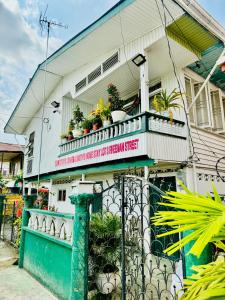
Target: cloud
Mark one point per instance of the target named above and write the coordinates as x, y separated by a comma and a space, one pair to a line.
22, 48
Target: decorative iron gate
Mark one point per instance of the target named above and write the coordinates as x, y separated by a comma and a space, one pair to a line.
8, 229
126, 260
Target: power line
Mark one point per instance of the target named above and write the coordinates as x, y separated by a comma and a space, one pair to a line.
194, 154
210, 149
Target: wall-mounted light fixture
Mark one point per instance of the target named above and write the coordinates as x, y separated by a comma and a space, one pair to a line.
55, 104
139, 59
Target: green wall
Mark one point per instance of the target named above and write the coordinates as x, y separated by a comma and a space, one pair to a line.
49, 261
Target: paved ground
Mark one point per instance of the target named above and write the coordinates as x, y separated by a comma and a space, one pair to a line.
15, 283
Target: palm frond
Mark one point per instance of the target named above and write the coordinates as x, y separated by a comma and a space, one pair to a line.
202, 215
207, 282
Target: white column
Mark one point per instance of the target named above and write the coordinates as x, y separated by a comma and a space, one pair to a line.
144, 79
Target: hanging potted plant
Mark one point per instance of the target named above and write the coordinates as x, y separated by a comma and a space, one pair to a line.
64, 138
104, 249
115, 104
78, 117
87, 126
166, 103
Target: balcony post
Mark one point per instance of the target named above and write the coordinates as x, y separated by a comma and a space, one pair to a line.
144, 80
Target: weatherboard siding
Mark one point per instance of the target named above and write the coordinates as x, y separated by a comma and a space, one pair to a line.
205, 143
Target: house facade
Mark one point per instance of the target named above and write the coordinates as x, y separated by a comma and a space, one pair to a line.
180, 47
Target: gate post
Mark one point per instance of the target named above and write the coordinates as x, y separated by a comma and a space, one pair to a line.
2, 197
28, 203
79, 259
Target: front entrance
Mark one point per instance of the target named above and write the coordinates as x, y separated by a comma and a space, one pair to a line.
126, 259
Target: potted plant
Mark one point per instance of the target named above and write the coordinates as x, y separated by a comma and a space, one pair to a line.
86, 125
115, 104
104, 249
64, 138
70, 136
105, 116
78, 117
166, 103
96, 122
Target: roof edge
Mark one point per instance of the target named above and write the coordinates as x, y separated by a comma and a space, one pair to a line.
101, 20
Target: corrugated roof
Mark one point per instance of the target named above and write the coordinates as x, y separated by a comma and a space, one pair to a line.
191, 34
205, 65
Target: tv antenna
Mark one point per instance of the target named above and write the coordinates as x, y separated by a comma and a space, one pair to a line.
45, 24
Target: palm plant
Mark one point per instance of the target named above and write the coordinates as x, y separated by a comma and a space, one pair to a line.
105, 229
204, 216
164, 102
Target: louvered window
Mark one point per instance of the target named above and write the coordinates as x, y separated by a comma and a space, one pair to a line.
189, 98
93, 75
80, 85
110, 62
217, 111
202, 107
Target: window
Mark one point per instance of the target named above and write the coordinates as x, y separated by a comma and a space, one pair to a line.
31, 145
29, 166
189, 97
62, 195
217, 110
202, 107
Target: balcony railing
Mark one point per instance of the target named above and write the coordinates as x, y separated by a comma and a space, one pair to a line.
144, 122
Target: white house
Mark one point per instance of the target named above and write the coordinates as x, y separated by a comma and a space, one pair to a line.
180, 43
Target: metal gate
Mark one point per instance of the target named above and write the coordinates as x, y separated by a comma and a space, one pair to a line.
126, 259
8, 230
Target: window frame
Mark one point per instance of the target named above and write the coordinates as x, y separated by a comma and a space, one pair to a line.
63, 193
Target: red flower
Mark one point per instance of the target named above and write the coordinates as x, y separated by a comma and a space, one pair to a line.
19, 212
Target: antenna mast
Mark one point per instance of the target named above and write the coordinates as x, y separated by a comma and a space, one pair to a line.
45, 24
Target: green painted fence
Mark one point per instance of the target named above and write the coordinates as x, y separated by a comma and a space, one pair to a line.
49, 261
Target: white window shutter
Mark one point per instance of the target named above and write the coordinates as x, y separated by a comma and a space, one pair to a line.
217, 111
202, 107
189, 98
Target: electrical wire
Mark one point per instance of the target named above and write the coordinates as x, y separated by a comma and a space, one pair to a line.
215, 155
194, 154
125, 54
207, 146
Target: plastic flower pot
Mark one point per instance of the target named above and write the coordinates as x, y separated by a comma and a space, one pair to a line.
118, 115
86, 130
96, 126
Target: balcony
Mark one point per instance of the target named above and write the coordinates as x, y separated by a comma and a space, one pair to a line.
146, 134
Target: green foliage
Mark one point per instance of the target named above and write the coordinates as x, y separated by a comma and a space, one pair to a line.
204, 217
2, 182
201, 214
115, 103
163, 102
97, 120
78, 116
105, 232
18, 224
207, 283
64, 136
86, 124
71, 125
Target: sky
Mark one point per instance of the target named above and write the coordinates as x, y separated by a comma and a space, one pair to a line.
22, 44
